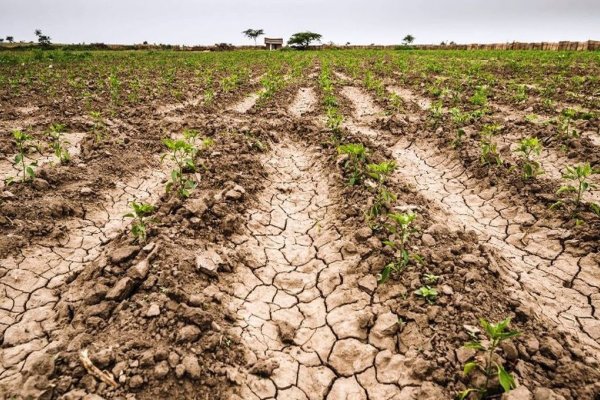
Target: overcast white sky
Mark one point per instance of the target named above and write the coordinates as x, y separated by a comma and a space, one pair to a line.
340, 21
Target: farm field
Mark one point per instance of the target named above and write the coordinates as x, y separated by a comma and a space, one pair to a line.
350, 224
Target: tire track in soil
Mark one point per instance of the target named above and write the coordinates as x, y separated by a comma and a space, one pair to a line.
551, 161
245, 105
560, 277
301, 313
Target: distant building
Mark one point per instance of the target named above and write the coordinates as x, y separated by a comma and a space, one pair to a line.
273, 44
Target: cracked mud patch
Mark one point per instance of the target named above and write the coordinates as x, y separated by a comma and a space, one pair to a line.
304, 102
311, 332
29, 282
246, 104
564, 282
561, 280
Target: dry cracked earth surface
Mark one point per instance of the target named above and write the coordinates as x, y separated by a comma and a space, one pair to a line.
263, 293
552, 268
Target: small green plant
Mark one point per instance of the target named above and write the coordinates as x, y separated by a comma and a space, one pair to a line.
58, 144
384, 197
520, 93
357, 155
428, 293
459, 135
182, 153
334, 119
98, 126
400, 227
489, 149
430, 279
396, 103
579, 176
496, 334
528, 148
595, 207
436, 113
479, 98
564, 124
139, 226
24, 142
209, 96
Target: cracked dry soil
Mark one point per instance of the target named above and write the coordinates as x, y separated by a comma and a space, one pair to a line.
302, 315
297, 317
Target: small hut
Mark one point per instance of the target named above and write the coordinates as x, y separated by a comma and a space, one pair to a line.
273, 44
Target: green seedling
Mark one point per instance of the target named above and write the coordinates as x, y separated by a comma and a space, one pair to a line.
182, 153
436, 113
496, 334
209, 96
396, 103
58, 144
458, 138
98, 126
139, 226
25, 144
334, 119
529, 148
479, 98
564, 122
430, 279
400, 228
595, 207
428, 293
578, 175
357, 155
489, 149
384, 197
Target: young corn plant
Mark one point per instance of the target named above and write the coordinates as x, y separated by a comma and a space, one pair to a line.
401, 229
496, 334
355, 164
489, 149
578, 176
139, 226
528, 149
24, 142
58, 144
384, 197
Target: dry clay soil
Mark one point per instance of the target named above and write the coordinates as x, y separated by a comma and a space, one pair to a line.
263, 284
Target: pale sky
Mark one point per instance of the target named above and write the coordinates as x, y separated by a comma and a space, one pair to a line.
356, 21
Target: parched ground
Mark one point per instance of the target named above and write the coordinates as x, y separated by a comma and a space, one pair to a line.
263, 284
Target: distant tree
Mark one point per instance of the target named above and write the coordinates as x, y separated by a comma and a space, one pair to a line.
253, 34
10, 39
43, 40
304, 39
408, 39
1, 40
347, 43
442, 43
145, 42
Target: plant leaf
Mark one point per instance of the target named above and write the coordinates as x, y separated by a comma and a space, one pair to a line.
506, 380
